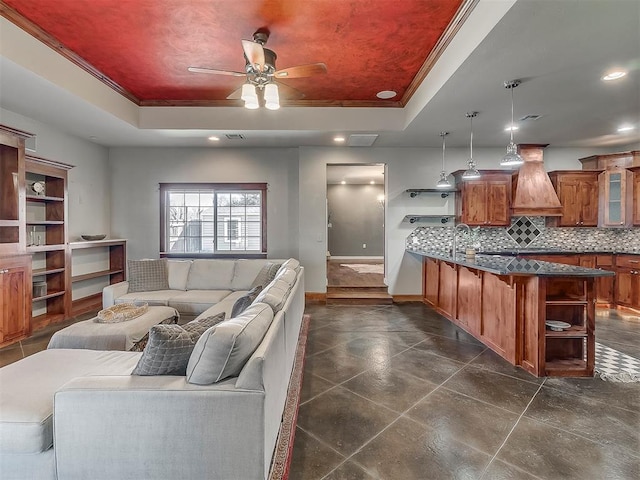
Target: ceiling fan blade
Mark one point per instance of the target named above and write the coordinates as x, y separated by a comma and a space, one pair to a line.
254, 53
235, 95
289, 93
302, 71
213, 71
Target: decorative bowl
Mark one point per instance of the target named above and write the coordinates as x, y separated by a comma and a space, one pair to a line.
94, 237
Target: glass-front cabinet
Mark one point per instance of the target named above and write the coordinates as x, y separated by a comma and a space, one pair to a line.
616, 198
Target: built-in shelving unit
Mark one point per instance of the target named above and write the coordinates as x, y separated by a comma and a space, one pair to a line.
107, 266
46, 239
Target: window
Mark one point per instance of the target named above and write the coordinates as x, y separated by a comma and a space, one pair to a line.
211, 219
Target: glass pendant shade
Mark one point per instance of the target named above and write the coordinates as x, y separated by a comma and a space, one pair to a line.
471, 173
271, 97
444, 180
249, 96
512, 158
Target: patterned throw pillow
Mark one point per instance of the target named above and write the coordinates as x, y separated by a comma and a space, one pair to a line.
140, 344
244, 301
266, 274
169, 347
148, 275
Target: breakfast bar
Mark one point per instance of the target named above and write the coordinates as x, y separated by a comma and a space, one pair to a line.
538, 315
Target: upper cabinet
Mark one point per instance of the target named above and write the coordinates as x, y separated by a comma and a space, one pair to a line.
12, 239
578, 194
616, 198
485, 201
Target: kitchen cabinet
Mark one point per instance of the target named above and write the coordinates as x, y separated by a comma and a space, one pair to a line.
15, 298
485, 201
430, 282
616, 198
578, 194
627, 283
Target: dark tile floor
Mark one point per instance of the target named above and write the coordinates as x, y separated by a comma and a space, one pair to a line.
398, 392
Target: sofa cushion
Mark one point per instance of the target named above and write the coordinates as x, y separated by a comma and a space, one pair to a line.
147, 275
245, 273
26, 409
169, 347
266, 274
155, 298
222, 351
291, 263
244, 301
178, 273
211, 274
275, 294
287, 274
194, 302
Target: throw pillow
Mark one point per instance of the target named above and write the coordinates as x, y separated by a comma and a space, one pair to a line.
140, 344
244, 301
222, 351
266, 274
148, 275
169, 347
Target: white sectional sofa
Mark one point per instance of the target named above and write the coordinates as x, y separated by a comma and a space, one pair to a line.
195, 286
80, 414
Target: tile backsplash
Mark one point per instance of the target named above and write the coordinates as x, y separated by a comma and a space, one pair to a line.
529, 232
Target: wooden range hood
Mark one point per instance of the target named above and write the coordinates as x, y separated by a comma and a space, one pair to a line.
533, 192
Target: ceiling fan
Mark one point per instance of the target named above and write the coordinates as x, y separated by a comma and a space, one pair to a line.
261, 74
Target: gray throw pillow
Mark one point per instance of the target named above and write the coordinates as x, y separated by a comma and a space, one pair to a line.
244, 301
140, 344
222, 351
148, 275
266, 274
169, 347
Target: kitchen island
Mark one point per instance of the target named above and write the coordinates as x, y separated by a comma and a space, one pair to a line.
505, 302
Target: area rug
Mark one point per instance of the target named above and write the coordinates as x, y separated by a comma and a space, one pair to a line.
365, 267
614, 366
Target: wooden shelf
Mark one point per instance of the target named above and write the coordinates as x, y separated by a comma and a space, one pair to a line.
49, 295
45, 223
45, 248
89, 276
108, 242
569, 301
566, 367
576, 331
9, 223
47, 271
46, 319
43, 199
86, 304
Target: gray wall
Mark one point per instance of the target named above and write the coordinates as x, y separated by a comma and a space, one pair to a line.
356, 218
136, 173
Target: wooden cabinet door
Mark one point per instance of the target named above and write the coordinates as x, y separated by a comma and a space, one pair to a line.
498, 202
616, 198
578, 194
636, 198
15, 298
469, 299
447, 290
589, 201
474, 202
431, 281
624, 291
568, 190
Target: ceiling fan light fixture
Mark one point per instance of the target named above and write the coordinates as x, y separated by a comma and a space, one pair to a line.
512, 157
248, 92
271, 96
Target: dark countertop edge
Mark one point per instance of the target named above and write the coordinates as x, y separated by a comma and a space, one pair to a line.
461, 259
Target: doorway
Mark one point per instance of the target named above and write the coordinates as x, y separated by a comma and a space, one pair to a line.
356, 203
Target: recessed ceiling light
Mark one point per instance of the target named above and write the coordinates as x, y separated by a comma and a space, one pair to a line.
614, 75
343, 182
386, 94
338, 139
213, 138
372, 182
508, 128
625, 128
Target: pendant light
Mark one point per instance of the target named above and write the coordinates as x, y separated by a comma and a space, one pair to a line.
444, 178
472, 172
512, 157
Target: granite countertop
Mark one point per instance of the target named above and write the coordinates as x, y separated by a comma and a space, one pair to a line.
510, 265
551, 251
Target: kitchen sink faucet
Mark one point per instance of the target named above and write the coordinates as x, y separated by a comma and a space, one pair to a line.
455, 231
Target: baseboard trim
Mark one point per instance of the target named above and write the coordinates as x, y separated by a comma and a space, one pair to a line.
315, 297
406, 298
354, 258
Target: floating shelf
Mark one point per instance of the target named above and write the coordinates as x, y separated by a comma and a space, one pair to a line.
43, 199
416, 218
414, 192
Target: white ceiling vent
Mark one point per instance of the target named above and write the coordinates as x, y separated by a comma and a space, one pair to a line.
362, 139
526, 118
235, 136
